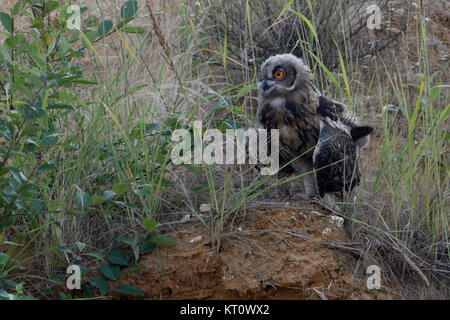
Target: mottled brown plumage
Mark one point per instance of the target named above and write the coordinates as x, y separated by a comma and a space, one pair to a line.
335, 155
289, 101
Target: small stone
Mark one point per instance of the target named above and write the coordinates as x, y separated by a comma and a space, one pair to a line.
205, 207
339, 221
316, 213
390, 108
196, 239
186, 218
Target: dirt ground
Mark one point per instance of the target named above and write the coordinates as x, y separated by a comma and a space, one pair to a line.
299, 253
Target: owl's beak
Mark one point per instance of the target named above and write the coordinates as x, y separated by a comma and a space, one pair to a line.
263, 85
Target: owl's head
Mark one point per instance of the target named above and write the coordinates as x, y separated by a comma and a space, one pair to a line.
282, 74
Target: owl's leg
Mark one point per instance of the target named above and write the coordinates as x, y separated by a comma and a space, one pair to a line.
303, 166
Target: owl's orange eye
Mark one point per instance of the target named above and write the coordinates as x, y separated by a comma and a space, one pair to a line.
278, 74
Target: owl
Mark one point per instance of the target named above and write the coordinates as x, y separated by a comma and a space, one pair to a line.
335, 160
288, 101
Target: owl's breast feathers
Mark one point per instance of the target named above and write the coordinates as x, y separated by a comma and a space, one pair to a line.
335, 162
298, 124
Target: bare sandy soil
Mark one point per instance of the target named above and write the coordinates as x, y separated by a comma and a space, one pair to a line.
273, 254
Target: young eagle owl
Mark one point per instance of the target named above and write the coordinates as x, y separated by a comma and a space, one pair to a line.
335, 155
288, 102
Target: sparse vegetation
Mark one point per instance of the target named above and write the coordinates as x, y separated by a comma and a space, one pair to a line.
86, 119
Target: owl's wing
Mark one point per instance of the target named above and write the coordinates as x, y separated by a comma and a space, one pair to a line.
336, 111
332, 109
340, 108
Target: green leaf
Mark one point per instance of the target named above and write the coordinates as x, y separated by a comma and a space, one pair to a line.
49, 6
39, 206
129, 9
135, 30
61, 106
85, 81
150, 224
95, 255
110, 271
17, 175
117, 257
173, 122
35, 53
96, 199
50, 165
126, 240
80, 246
123, 22
6, 21
66, 250
24, 298
129, 290
91, 35
163, 240
87, 291
120, 188
10, 283
22, 88
104, 27
16, 7
82, 199
101, 284
31, 145
148, 247
3, 258
6, 222
16, 42
143, 192
4, 295
108, 194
